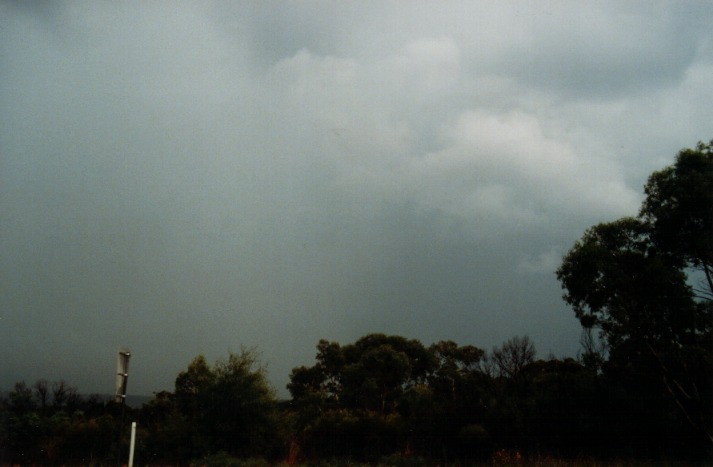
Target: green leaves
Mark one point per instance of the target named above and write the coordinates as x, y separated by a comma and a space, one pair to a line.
230, 406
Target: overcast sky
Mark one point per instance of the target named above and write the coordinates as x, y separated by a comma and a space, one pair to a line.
186, 178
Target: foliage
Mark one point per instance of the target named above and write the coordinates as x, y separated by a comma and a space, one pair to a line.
386, 385
679, 209
453, 414
226, 407
49, 422
630, 280
371, 374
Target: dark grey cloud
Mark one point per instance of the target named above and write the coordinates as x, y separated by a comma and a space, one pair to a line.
611, 49
189, 178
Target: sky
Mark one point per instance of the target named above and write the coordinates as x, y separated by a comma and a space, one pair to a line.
185, 178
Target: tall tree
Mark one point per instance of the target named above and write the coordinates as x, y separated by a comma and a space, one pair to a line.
371, 373
383, 394
454, 366
679, 209
630, 280
230, 404
42, 391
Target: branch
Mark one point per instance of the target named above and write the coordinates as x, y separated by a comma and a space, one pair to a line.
709, 278
696, 424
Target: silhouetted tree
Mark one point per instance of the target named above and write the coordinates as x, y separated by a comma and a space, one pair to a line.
385, 394
76, 431
629, 279
229, 406
513, 355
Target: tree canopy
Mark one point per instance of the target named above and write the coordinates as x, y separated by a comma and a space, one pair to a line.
679, 209
638, 281
230, 404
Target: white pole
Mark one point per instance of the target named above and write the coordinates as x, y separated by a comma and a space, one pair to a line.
133, 440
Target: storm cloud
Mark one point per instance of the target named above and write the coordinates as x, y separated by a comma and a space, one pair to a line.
186, 178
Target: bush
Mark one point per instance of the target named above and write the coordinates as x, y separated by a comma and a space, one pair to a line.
474, 442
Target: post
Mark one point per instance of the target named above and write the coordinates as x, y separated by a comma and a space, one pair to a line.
133, 442
122, 374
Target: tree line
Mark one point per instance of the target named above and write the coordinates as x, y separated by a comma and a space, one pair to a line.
640, 388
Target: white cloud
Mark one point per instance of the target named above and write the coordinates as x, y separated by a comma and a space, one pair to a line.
505, 169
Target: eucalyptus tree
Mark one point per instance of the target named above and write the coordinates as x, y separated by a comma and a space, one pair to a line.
646, 284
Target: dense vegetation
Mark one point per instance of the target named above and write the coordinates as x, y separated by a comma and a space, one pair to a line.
641, 388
